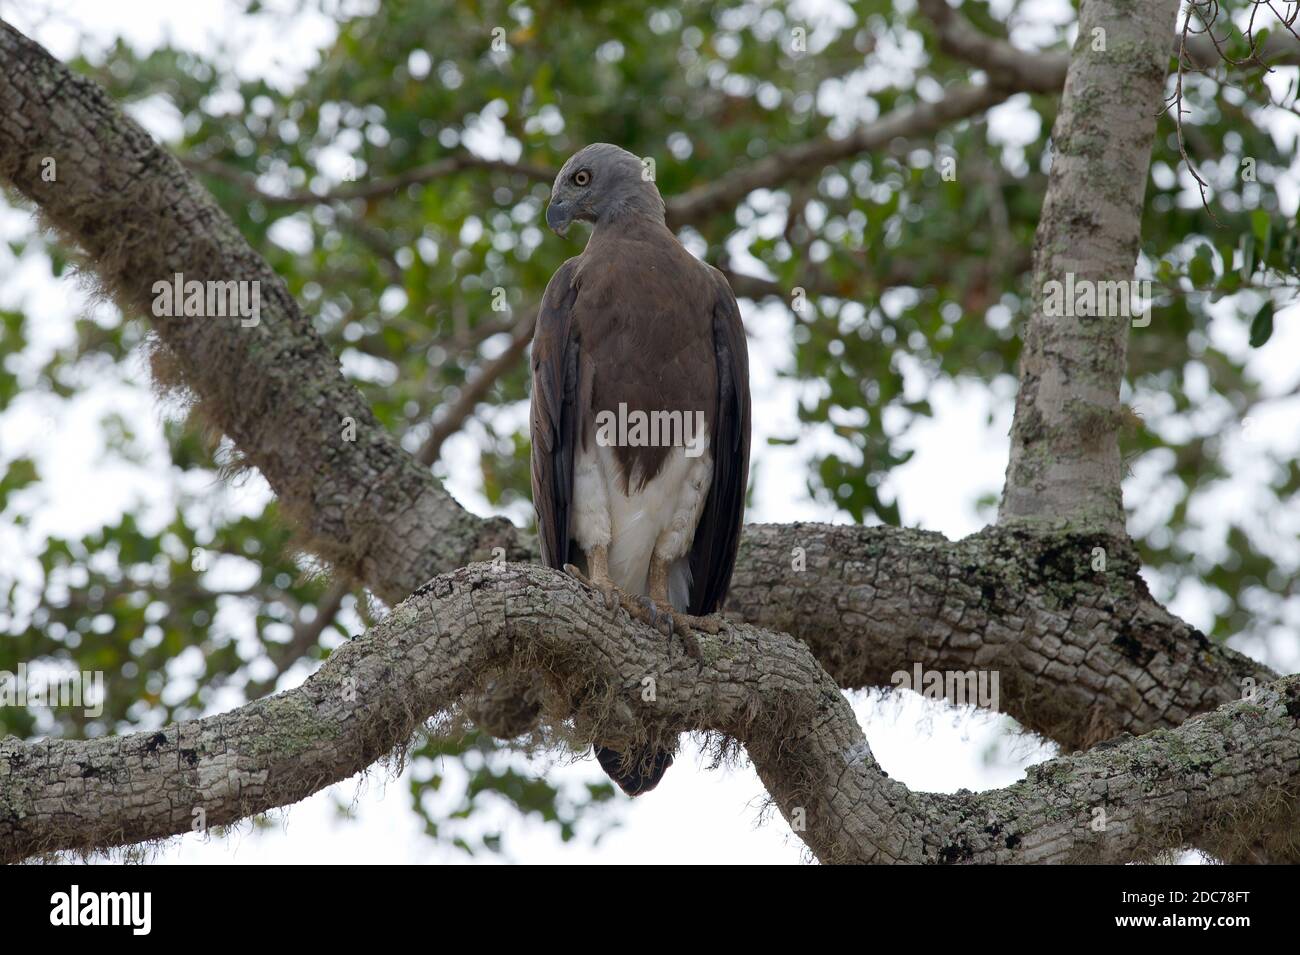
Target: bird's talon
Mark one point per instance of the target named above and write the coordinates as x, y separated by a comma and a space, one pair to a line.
648, 613
609, 593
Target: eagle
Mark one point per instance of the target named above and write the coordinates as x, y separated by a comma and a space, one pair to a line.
640, 415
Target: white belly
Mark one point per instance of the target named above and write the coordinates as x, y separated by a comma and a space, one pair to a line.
659, 518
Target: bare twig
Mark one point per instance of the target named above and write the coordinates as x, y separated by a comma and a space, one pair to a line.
375, 188
453, 418
805, 161
1006, 64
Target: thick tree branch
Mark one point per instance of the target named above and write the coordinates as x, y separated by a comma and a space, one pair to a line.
274, 388
1065, 460
1218, 782
1099, 643
1082, 654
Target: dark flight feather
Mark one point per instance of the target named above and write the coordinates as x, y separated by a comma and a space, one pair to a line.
554, 415
717, 537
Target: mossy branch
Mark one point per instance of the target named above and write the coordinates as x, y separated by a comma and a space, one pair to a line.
1223, 782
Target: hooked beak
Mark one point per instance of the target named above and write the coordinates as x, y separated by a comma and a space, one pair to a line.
559, 216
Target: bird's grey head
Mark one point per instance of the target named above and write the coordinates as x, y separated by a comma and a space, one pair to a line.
601, 183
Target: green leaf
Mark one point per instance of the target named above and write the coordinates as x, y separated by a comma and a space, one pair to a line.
1261, 329
1261, 225
1201, 269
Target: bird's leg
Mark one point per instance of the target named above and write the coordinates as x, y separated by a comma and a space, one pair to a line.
655, 611
598, 564
682, 623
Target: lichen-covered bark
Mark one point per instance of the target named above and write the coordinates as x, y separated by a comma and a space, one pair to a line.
1219, 781
1065, 460
274, 388
1082, 653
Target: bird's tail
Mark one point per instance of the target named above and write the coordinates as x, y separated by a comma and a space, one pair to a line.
638, 772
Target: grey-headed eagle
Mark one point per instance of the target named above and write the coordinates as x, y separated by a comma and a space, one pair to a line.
640, 414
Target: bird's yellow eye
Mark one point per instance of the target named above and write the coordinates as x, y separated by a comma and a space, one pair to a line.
581, 177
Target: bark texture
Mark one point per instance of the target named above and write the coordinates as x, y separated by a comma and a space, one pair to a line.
1082, 654
1065, 460
1221, 781
274, 388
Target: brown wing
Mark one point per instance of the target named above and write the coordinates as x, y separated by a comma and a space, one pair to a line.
717, 538
555, 414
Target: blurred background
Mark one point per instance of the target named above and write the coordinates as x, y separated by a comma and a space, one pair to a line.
887, 398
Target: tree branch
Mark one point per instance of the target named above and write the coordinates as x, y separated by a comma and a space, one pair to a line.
305, 636
452, 419
378, 188
1005, 63
1082, 654
876, 279
367, 505
1065, 461
805, 161
1044, 72
1217, 782
796, 163
274, 388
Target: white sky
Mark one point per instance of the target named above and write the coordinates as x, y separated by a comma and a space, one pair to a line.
695, 815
